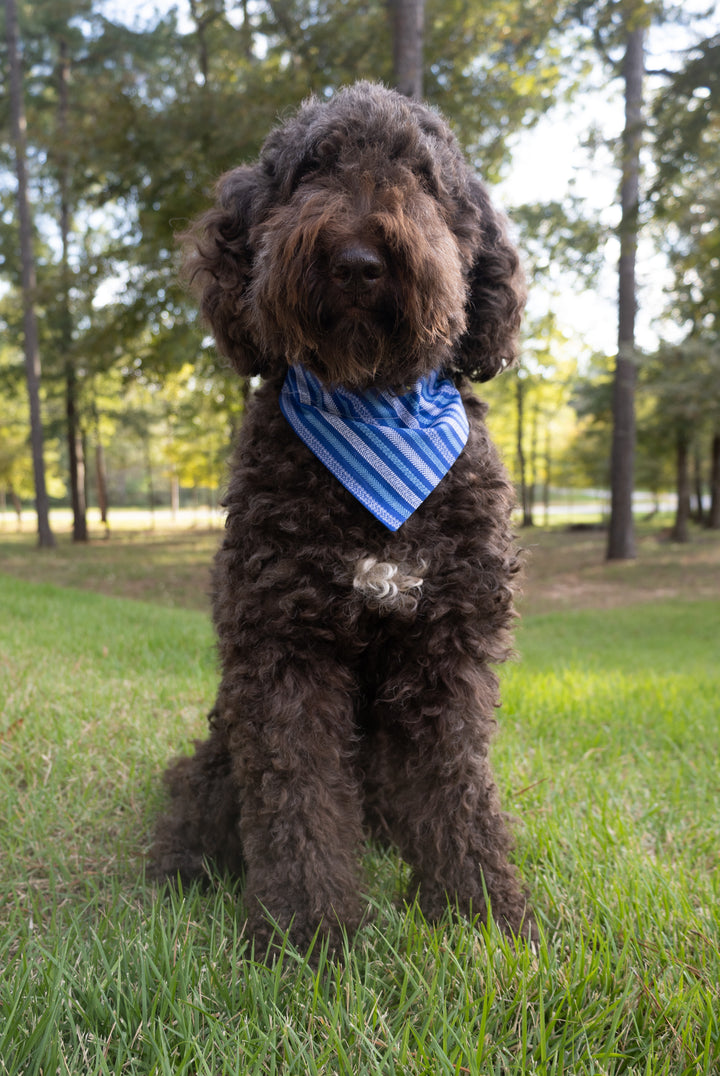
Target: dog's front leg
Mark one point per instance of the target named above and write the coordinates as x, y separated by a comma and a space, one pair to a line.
434, 790
300, 813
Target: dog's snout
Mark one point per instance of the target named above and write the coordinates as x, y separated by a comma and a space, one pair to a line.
357, 267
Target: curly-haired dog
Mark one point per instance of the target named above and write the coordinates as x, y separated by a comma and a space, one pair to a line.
364, 586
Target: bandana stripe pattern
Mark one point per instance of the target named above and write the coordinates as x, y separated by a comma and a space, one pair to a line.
389, 451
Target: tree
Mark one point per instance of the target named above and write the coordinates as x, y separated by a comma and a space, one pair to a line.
76, 455
684, 144
621, 532
684, 193
46, 538
16, 477
681, 382
547, 370
81, 65
171, 97
686, 206
407, 32
623, 24
714, 514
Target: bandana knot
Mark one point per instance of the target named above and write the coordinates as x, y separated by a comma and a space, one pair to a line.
390, 451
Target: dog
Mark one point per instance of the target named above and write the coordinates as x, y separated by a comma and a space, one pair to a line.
358, 273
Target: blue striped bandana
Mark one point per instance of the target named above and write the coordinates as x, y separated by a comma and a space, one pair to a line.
389, 451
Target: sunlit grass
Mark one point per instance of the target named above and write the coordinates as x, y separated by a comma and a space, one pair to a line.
606, 755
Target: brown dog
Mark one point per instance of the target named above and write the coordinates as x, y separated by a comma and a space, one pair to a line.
364, 586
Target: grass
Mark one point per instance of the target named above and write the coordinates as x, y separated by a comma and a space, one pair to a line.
606, 755
167, 567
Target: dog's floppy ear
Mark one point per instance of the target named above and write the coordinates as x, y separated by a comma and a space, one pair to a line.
496, 295
218, 264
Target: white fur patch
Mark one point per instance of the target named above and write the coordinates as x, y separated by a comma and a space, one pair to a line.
387, 586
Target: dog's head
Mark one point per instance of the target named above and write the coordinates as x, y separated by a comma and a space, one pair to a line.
362, 245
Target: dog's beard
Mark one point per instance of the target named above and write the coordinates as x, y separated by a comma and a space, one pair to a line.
362, 341
363, 349
355, 354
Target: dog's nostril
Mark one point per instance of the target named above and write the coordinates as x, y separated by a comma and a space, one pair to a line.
357, 266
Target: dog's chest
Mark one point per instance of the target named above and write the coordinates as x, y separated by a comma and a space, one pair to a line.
285, 507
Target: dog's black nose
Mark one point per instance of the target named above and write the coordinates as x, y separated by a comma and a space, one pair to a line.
357, 267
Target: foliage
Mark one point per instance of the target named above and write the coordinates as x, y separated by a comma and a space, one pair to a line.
560, 242
16, 468
686, 203
157, 111
530, 418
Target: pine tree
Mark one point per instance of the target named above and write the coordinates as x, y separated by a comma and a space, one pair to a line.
46, 538
621, 533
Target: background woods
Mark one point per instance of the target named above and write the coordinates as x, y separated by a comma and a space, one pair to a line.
130, 121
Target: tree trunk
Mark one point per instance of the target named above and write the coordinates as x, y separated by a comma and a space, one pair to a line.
680, 531
17, 505
699, 512
174, 495
407, 34
100, 469
527, 520
534, 455
101, 480
46, 539
548, 474
713, 521
200, 25
246, 32
150, 481
76, 459
621, 535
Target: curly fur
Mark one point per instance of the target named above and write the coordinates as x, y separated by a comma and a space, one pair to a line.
387, 586
357, 694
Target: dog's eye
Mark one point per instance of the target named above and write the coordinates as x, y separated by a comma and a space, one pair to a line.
428, 177
320, 155
306, 167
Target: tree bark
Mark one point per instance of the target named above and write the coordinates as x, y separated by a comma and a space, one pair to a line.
548, 475
100, 471
150, 480
76, 459
17, 505
407, 32
621, 535
527, 520
713, 521
101, 481
76, 456
46, 539
680, 531
534, 456
174, 495
699, 511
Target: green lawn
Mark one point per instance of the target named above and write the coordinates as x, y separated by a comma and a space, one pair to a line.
606, 754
